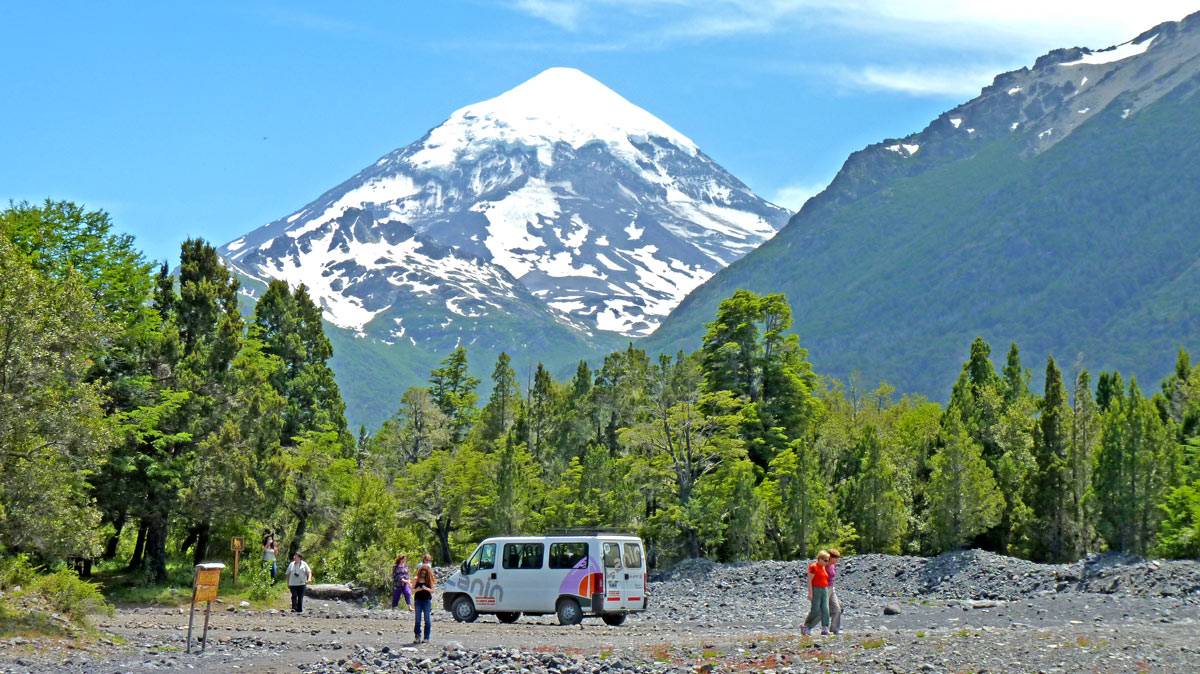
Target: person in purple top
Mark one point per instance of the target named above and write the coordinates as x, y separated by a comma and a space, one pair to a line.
835, 604
400, 587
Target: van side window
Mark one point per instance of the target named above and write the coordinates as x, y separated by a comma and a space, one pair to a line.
633, 556
484, 557
612, 556
523, 555
567, 555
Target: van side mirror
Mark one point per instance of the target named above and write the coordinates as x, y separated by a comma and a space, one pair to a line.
466, 568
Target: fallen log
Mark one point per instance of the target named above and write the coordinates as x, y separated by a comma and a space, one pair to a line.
334, 591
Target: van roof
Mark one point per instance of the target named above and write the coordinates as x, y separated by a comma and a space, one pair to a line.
538, 538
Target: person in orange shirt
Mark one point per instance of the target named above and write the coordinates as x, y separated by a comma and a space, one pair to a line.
818, 594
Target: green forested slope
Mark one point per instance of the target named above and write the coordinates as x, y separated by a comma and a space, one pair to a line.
1089, 251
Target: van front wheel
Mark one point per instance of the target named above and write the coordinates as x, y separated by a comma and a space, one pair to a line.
569, 612
508, 618
463, 610
614, 619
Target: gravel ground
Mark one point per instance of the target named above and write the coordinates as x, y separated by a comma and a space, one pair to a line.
967, 611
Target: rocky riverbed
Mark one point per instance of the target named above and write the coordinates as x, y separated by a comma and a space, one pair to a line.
966, 611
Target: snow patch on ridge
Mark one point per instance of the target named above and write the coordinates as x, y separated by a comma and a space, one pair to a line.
1114, 54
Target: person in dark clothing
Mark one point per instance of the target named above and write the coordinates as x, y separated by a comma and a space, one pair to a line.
424, 583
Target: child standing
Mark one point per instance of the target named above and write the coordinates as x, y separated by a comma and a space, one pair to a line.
818, 594
400, 586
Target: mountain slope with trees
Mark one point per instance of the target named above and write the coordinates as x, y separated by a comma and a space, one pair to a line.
1058, 210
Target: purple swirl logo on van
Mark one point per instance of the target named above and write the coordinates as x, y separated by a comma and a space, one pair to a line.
581, 580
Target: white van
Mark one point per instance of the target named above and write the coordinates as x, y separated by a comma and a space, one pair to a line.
572, 575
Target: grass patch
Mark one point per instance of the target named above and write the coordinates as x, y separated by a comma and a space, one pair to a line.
877, 642
920, 634
123, 588
661, 653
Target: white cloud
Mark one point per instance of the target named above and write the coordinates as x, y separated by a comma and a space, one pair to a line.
920, 80
793, 196
562, 13
1045, 23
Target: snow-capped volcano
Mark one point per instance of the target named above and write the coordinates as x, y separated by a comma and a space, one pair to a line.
557, 193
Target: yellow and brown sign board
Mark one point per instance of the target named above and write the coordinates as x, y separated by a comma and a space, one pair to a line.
238, 544
207, 580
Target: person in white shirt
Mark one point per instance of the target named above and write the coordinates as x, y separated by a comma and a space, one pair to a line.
298, 576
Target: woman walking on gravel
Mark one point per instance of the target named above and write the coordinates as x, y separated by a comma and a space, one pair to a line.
423, 586
299, 574
818, 595
400, 586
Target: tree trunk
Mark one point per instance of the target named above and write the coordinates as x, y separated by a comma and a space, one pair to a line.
203, 535
139, 547
298, 534
190, 539
443, 536
155, 559
110, 546
693, 543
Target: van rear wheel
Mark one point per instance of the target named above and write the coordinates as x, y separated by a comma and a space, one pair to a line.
508, 618
614, 619
463, 610
568, 612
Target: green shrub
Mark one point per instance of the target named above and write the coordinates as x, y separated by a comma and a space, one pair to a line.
259, 575
375, 569
16, 571
71, 596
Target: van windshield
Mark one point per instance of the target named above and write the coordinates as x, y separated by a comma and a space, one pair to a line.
484, 557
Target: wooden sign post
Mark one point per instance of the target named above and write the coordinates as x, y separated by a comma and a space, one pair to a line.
204, 588
237, 545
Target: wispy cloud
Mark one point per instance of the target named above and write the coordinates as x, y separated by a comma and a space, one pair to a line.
289, 16
793, 196
979, 33
919, 80
562, 13
920, 19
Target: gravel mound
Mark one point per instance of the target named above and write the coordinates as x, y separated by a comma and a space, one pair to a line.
964, 574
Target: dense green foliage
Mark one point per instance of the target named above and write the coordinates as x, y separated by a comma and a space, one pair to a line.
143, 418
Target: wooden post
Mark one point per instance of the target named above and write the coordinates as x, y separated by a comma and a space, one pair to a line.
237, 545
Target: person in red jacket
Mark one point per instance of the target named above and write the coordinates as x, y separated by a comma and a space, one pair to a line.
818, 594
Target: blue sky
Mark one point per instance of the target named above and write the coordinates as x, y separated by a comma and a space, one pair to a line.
212, 118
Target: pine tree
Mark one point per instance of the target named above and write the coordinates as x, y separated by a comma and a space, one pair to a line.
1052, 486
1016, 378
1085, 437
503, 405
541, 412
290, 326
453, 390
962, 495
1131, 478
876, 506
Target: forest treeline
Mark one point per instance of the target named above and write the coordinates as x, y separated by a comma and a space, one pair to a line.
145, 419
